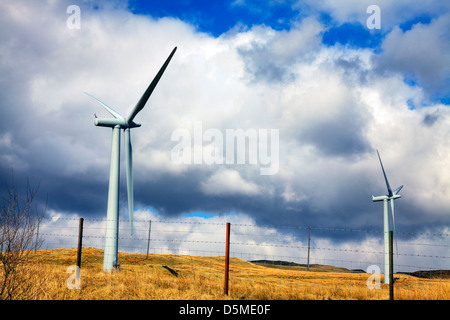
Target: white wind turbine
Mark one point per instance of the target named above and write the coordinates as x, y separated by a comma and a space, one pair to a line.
117, 123
391, 196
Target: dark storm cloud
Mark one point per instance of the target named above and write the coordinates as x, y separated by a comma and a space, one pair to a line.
69, 194
173, 195
264, 67
353, 69
341, 136
430, 118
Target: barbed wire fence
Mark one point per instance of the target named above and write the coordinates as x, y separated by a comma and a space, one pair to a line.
274, 248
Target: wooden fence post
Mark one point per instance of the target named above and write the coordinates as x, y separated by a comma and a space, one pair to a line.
227, 259
80, 241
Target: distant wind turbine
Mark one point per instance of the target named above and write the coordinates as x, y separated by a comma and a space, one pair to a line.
391, 196
119, 122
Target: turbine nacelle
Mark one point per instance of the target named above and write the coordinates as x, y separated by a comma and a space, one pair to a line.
112, 122
382, 198
379, 198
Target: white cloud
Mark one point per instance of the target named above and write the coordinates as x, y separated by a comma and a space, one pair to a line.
226, 182
292, 196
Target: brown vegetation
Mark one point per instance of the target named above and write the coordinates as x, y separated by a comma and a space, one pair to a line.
203, 278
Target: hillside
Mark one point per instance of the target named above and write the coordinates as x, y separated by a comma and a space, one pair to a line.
429, 274
425, 274
302, 267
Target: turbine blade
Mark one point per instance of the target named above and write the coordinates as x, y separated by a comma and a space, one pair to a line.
110, 110
141, 103
129, 171
397, 190
385, 178
393, 222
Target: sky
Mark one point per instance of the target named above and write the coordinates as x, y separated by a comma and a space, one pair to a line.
317, 73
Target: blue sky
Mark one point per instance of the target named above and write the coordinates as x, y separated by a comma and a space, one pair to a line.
217, 17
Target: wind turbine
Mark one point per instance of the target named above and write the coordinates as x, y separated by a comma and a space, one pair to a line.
117, 123
390, 197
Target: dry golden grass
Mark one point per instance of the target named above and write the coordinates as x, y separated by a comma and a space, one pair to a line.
203, 278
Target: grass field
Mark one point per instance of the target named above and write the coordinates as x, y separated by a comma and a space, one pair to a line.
203, 278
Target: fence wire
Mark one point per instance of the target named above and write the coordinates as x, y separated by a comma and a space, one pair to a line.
282, 254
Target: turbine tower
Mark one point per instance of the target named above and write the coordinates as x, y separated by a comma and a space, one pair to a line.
119, 122
390, 197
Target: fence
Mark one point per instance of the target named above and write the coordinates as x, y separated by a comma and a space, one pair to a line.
337, 268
